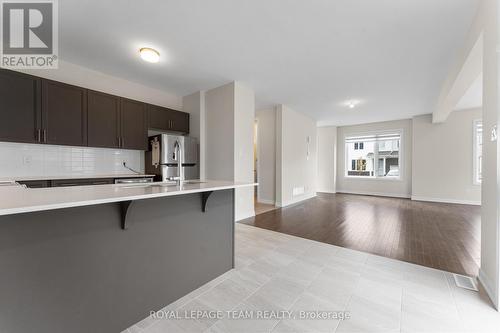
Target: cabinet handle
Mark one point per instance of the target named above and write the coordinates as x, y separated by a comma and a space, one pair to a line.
45, 135
38, 135
123, 142
119, 141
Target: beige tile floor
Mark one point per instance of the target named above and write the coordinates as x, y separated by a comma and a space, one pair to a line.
278, 272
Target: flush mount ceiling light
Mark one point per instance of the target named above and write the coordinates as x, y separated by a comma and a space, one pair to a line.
351, 104
149, 54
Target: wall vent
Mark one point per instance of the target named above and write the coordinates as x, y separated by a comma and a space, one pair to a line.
465, 282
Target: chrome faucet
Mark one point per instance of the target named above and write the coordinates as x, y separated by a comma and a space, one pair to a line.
178, 157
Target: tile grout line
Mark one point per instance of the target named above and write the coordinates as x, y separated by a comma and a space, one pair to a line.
215, 323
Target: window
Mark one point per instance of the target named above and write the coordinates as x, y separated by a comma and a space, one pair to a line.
478, 151
359, 145
374, 156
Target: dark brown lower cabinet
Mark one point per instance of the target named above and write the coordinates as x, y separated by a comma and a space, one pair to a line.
80, 182
35, 183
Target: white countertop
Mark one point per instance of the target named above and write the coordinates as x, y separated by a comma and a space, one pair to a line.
29, 178
15, 200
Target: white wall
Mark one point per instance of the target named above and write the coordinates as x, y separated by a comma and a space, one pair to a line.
266, 155
327, 159
230, 114
443, 159
489, 16
19, 160
294, 169
91, 79
384, 187
194, 104
219, 133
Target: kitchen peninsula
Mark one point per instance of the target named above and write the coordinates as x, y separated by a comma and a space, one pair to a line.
100, 258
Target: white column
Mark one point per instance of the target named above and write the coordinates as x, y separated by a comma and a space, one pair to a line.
229, 119
194, 104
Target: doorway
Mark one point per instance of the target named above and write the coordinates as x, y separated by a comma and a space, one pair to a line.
261, 145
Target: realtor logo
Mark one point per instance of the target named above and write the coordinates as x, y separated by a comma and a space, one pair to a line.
29, 34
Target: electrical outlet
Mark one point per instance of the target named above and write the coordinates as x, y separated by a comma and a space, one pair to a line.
27, 159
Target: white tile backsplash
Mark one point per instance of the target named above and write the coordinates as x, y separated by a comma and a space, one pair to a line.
32, 160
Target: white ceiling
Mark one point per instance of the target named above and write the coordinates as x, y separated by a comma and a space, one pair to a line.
392, 55
473, 97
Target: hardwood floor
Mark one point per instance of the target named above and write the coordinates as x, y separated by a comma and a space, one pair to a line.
443, 236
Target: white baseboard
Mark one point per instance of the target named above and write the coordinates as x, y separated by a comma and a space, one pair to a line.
377, 194
297, 200
452, 201
488, 287
266, 201
326, 191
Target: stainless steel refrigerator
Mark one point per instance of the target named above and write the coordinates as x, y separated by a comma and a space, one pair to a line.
163, 157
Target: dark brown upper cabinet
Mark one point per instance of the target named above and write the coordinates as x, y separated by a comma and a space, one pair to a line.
36, 110
180, 121
165, 119
158, 117
64, 114
19, 107
134, 127
103, 120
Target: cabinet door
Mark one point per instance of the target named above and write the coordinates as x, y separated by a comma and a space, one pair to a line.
81, 182
157, 117
134, 134
103, 120
36, 183
179, 121
107, 181
64, 114
19, 107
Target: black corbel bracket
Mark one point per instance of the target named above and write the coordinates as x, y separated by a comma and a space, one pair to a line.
125, 207
204, 198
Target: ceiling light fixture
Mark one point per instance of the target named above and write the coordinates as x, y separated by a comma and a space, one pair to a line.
351, 104
149, 54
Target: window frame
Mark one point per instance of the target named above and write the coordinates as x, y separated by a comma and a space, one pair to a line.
402, 147
475, 180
